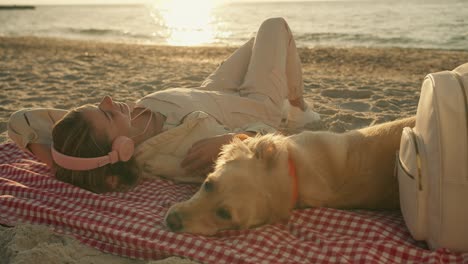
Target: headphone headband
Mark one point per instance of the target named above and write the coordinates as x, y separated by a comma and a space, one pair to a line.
122, 150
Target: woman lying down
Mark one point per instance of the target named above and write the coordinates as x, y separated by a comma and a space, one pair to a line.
175, 133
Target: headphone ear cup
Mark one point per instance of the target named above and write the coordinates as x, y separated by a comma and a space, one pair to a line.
124, 147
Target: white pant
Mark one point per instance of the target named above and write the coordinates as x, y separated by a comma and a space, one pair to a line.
267, 66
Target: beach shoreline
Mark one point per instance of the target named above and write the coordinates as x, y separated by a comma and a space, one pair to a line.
350, 87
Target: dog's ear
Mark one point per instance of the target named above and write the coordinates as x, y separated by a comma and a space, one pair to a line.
266, 151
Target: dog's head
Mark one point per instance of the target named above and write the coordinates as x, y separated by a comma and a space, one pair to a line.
246, 189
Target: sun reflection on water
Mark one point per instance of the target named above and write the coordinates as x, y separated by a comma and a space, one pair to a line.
187, 22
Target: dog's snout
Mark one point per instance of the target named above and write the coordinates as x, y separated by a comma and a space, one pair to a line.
174, 222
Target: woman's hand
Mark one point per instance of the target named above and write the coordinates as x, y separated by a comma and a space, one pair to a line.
203, 154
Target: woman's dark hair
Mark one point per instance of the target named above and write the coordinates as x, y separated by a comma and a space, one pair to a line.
73, 135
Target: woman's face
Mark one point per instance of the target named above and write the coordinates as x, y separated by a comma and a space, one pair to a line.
110, 119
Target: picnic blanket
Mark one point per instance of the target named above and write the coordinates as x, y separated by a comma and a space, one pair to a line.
131, 224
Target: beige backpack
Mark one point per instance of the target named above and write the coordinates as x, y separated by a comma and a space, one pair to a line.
433, 163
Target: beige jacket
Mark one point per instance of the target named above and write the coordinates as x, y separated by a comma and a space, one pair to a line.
162, 154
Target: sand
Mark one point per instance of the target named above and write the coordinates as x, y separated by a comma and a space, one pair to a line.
350, 87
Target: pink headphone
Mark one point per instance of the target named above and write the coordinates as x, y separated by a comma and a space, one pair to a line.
122, 150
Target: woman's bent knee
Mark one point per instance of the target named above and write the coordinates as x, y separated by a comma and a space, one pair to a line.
276, 25
274, 22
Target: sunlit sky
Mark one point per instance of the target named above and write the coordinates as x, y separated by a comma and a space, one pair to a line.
65, 2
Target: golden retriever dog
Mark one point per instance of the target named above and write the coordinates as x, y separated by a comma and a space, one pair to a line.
261, 179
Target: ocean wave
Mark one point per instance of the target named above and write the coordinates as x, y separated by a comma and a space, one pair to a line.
362, 39
93, 31
353, 38
101, 33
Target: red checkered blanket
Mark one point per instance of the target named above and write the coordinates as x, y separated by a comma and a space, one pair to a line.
131, 224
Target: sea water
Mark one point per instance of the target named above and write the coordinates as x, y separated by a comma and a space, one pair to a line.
434, 24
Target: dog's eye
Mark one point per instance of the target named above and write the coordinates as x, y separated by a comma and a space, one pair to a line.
208, 186
223, 213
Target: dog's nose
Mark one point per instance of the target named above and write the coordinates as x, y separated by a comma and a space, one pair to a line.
174, 221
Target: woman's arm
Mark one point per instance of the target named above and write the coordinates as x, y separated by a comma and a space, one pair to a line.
31, 130
42, 152
203, 154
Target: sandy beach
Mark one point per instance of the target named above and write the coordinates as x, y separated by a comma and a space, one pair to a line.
350, 88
